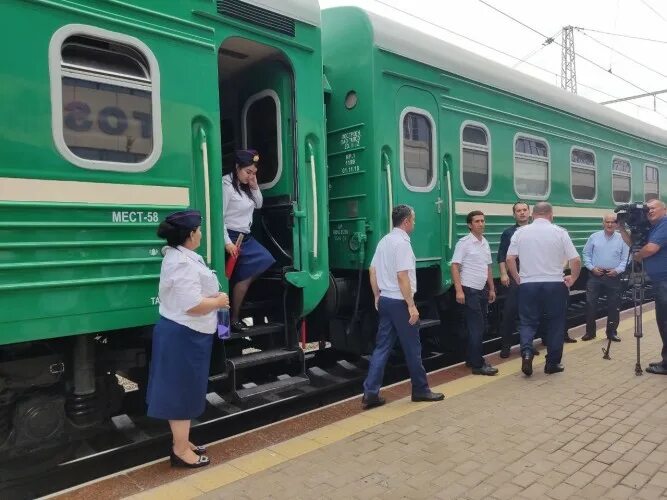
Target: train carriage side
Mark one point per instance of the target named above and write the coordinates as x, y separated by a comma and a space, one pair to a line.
456, 132
116, 115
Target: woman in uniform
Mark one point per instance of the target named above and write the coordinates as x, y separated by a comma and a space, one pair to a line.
183, 336
241, 196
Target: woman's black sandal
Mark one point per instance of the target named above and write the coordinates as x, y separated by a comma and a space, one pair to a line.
176, 461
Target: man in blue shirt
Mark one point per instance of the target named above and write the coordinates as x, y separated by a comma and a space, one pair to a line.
654, 255
605, 257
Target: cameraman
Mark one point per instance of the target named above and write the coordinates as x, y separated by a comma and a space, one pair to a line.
654, 255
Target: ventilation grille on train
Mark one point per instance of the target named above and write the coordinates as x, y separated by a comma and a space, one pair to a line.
257, 15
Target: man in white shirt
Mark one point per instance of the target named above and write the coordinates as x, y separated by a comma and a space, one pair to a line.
471, 272
543, 290
393, 279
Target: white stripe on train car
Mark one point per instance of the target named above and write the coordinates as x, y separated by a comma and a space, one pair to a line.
505, 209
52, 191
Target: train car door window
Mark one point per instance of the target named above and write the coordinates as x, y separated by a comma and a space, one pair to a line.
262, 131
417, 153
583, 175
621, 180
651, 183
531, 167
475, 165
105, 99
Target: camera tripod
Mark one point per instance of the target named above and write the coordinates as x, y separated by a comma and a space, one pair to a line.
636, 282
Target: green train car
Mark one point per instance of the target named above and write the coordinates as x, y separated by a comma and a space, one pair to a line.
413, 119
114, 114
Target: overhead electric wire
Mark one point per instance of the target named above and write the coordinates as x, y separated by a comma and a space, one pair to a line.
654, 11
590, 61
622, 54
545, 43
623, 35
508, 55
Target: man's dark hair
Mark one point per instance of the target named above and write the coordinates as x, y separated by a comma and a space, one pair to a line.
472, 215
519, 203
400, 213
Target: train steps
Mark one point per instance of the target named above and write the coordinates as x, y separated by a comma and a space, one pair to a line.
267, 371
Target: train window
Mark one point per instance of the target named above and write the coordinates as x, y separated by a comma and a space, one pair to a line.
583, 175
531, 167
417, 150
621, 180
262, 131
651, 183
475, 169
105, 100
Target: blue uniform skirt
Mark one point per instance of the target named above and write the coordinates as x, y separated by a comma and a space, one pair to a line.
178, 375
254, 259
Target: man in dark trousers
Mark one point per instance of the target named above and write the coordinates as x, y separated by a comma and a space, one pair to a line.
393, 279
473, 283
521, 213
605, 257
654, 255
543, 290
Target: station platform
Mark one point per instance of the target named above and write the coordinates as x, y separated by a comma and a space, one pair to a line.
595, 431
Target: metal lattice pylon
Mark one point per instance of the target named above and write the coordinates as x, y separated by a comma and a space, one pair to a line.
568, 69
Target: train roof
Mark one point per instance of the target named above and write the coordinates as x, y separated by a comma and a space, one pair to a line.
307, 11
409, 42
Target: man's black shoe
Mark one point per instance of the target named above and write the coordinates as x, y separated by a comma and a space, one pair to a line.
371, 401
614, 338
505, 352
485, 370
550, 368
570, 340
429, 396
657, 369
655, 363
588, 337
527, 363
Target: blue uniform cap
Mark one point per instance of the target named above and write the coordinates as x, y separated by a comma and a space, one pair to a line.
246, 157
188, 219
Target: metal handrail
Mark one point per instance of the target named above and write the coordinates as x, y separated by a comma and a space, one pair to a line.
207, 195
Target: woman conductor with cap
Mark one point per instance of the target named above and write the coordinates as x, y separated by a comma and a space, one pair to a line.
183, 336
241, 196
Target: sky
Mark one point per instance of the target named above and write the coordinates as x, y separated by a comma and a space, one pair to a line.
620, 67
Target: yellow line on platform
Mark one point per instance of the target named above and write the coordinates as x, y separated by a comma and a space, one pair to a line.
220, 475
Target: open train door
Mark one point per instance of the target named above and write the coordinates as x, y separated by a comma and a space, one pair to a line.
267, 125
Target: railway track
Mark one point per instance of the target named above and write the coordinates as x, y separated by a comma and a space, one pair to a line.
128, 441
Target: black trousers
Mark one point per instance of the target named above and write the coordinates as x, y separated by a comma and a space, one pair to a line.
594, 288
510, 312
660, 291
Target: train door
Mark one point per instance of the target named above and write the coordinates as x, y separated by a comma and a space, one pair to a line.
256, 112
416, 171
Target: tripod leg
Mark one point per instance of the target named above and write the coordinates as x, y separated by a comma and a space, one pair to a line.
607, 350
638, 298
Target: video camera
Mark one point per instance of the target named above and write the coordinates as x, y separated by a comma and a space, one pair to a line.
635, 216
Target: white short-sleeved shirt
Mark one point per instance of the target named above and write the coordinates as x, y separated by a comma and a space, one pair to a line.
543, 248
237, 208
185, 280
392, 255
474, 256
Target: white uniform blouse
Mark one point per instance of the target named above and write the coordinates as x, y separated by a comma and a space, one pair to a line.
237, 208
185, 280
